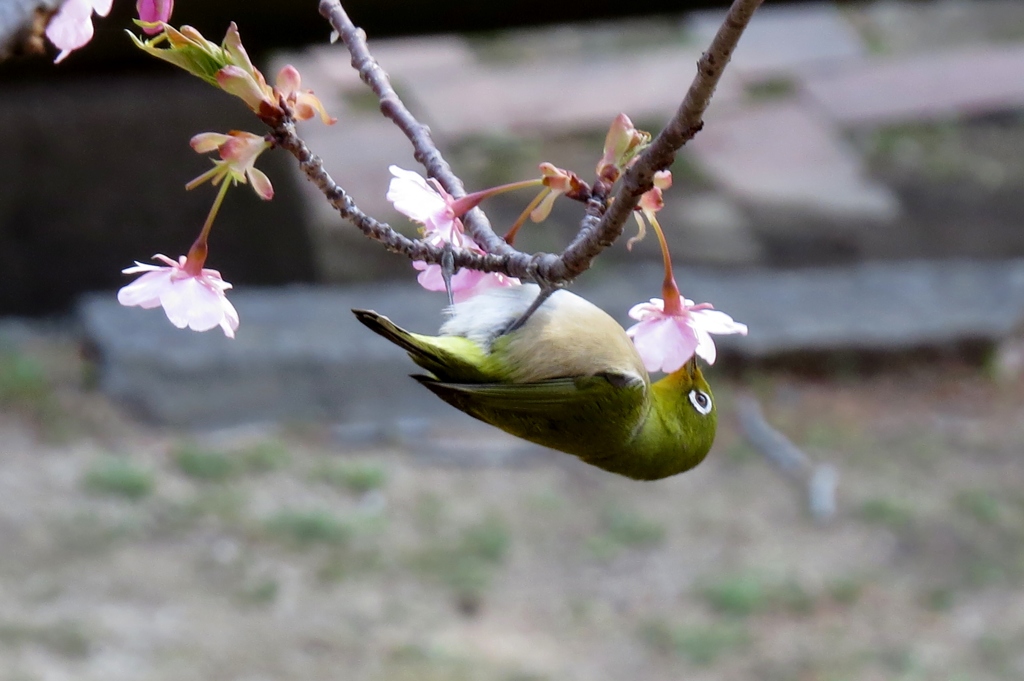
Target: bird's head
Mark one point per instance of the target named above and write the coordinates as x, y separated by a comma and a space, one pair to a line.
687, 408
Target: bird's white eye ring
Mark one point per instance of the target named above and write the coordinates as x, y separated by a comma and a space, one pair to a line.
701, 401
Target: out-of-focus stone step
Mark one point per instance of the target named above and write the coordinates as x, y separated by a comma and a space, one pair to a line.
300, 354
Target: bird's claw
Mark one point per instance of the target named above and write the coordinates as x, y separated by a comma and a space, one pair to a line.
546, 289
448, 270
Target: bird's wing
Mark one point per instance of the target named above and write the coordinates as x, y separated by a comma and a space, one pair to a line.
589, 416
548, 402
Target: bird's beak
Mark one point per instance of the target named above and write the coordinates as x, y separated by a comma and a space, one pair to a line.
691, 366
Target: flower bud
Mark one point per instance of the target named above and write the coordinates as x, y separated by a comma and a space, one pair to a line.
621, 145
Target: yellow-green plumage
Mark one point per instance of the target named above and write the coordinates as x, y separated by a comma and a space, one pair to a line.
569, 379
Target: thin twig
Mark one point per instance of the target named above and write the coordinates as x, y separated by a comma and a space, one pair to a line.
818, 480
391, 105
312, 166
604, 220
687, 122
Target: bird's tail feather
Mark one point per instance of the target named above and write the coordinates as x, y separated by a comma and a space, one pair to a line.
448, 358
383, 326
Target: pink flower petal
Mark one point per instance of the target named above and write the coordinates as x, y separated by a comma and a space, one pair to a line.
489, 280
430, 278
667, 341
414, 198
705, 346
260, 183
663, 344
140, 267
242, 148
71, 27
188, 302
229, 324
145, 291
680, 349
213, 279
152, 11
642, 311
714, 321
206, 142
179, 263
288, 80
197, 302
240, 83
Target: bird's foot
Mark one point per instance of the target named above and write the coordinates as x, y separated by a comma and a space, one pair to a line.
448, 270
546, 289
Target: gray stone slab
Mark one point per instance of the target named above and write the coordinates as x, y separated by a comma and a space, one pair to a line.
785, 154
782, 40
909, 26
714, 228
967, 82
573, 96
328, 68
871, 306
300, 354
459, 95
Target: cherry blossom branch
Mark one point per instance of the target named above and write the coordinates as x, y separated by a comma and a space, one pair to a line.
604, 220
687, 122
391, 105
515, 264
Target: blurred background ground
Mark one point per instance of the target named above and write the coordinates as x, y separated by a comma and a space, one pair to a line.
330, 543
288, 552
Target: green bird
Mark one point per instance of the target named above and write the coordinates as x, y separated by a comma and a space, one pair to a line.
569, 379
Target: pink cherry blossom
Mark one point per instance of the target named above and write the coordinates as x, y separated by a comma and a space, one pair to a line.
434, 208
667, 340
621, 145
427, 202
193, 300
238, 152
71, 27
466, 283
303, 102
153, 11
431, 206
556, 182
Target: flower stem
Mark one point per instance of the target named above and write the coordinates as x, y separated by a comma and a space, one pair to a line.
510, 235
669, 288
212, 172
470, 201
197, 254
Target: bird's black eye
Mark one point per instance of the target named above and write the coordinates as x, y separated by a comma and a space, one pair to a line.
701, 401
